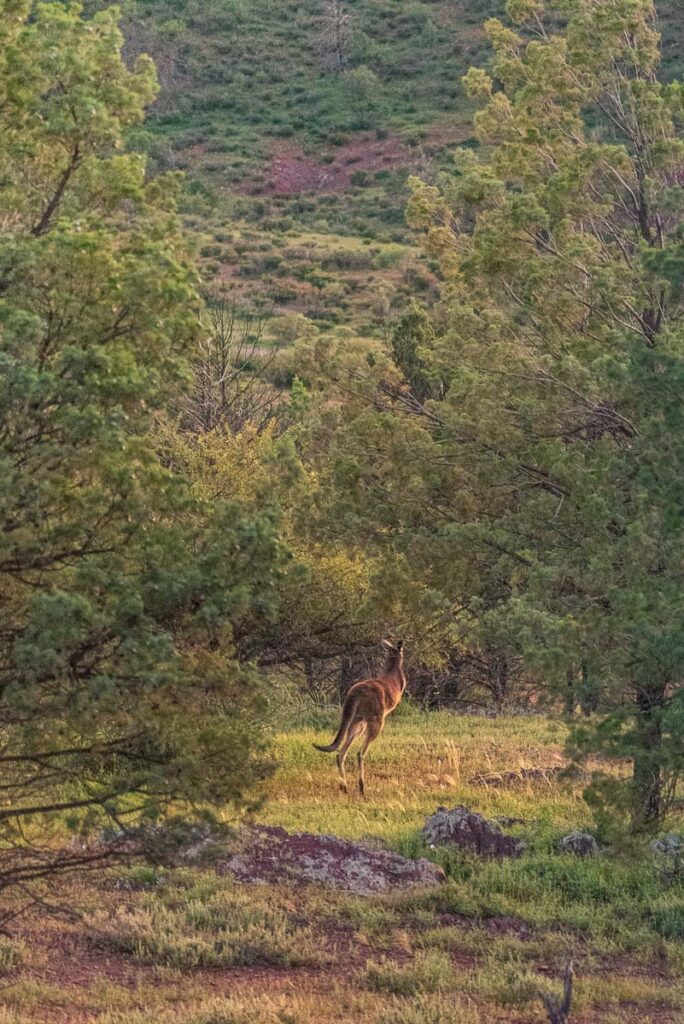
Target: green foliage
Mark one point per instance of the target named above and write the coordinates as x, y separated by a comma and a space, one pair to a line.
524, 451
120, 584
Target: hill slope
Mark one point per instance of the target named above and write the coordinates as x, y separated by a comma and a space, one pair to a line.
297, 123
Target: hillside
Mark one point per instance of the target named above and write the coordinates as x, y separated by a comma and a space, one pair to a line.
297, 123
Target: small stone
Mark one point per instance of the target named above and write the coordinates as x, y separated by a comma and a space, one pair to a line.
671, 845
469, 831
582, 844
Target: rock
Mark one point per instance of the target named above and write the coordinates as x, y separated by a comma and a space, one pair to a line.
582, 844
469, 831
171, 844
670, 861
269, 854
670, 845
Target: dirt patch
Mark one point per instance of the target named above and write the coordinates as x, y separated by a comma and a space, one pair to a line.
270, 855
292, 172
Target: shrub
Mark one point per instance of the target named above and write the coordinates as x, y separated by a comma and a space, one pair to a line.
510, 982
668, 919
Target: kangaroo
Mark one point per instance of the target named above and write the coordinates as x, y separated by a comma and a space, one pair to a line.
366, 706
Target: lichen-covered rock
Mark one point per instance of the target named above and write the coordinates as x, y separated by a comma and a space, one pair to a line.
582, 844
670, 859
670, 845
469, 831
270, 854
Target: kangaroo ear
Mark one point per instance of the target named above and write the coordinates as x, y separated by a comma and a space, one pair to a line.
387, 645
400, 644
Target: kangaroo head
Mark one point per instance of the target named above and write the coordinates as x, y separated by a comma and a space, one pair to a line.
394, 653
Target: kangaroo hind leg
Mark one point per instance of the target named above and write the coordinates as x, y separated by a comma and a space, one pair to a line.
372, 732
355, 729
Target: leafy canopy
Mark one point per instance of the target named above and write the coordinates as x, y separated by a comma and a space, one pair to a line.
120, 690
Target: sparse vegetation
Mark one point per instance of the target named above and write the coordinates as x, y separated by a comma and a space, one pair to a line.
11, 953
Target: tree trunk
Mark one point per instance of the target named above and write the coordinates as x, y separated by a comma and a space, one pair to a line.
570, 694
310, 677
647, 778
589, 692
499, 678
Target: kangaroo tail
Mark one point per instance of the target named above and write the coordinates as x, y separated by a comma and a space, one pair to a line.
348, 712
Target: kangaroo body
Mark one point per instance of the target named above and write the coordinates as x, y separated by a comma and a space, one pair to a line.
366, 706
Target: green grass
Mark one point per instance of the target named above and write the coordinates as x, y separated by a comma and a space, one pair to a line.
197, 922
420, 761
480, 948
429, 972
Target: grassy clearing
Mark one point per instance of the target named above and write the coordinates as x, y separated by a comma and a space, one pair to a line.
193, 923
423, 760
187, 946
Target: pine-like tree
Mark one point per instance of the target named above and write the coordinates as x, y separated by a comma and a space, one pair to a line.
119, 584
563, 251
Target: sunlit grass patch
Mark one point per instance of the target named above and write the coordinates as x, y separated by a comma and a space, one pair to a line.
11, 1016
372, 919
620, 990
509, 981
211, 929
227, 1010
434, 1009
421, 761
430, 971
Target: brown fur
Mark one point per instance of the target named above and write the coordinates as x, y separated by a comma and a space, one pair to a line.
366, 706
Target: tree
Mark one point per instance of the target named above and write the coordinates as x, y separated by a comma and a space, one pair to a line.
120, 689
230, 389
562, 250
336, 35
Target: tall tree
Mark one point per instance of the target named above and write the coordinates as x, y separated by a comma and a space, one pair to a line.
120, 691
563, 252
